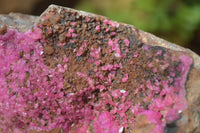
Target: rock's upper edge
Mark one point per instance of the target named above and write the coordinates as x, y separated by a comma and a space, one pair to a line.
23, 22
146, 37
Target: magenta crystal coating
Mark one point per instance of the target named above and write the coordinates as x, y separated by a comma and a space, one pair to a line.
32, 94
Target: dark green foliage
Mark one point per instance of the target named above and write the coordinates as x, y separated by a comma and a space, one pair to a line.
174, 20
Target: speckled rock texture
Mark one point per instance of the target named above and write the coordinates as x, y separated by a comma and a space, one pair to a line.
70, 71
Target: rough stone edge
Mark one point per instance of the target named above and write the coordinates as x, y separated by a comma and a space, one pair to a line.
147, 37
21, 22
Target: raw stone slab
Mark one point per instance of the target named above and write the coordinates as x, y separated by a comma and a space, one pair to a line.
142, 56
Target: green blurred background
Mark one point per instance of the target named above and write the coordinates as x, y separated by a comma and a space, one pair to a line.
177, 21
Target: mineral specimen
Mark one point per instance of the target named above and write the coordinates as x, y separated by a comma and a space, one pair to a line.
83, 73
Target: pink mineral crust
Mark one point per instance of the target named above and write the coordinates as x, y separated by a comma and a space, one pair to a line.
154, 117
89, 76
106, 123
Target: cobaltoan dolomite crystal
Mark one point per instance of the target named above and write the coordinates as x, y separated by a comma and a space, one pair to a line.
79, 72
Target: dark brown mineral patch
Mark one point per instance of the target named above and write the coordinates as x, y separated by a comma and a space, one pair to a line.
3, 30
49, 49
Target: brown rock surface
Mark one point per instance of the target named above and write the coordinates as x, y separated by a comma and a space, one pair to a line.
18, 21
190, 118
